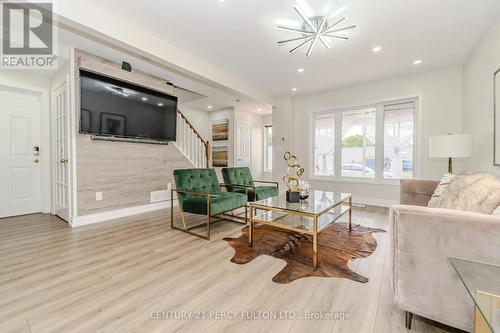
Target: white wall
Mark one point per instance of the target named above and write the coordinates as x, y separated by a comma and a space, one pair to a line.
478, 99
267, 119
39, 84
200, 120
440, 112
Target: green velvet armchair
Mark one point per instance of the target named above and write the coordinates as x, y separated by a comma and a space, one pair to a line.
240, 180
199, 192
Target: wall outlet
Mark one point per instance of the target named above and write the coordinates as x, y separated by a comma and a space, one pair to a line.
98, 196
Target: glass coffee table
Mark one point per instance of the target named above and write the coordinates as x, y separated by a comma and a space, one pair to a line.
308, 217
482, 282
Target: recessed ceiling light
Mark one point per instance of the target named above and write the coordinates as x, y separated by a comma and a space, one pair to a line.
144, 99
300, 70
294, 89
417, 62
160, 104
377, 49
259, 109
210, 106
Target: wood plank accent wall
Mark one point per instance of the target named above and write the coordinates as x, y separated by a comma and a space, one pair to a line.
125, 173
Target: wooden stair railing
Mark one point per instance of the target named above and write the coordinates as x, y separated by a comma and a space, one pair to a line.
191, 143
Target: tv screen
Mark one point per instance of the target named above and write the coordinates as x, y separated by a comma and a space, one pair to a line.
111, 107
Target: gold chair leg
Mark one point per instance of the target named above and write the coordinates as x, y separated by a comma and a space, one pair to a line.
171, 208
182, 219
208, 218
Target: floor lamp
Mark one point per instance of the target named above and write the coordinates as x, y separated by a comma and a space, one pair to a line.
450, 146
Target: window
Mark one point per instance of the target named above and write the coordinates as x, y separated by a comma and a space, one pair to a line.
358, 143
268, 148
398, 140
324, 144
374, 142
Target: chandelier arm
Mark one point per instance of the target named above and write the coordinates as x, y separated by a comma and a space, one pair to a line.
338, 30
318, 34
299, 31
339, 37
291, 40
298, 47
330, 28
305, 18
324, 41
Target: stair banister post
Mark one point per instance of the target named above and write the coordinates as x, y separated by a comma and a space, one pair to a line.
207, 153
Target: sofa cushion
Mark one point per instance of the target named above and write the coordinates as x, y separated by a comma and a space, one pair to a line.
219, 203
263, 192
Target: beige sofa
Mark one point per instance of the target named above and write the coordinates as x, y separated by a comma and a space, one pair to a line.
422, 239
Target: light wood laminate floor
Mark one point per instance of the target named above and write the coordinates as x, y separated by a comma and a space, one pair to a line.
117, 276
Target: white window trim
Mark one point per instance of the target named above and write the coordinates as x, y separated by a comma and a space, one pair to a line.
266, 157
379, 142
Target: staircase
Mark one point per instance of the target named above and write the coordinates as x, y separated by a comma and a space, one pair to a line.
190, 143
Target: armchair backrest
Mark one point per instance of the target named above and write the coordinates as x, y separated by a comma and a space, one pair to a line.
237, 176
196, 180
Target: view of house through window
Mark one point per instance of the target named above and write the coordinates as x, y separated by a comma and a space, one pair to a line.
324, 144
358, 143
268, 148
361, 139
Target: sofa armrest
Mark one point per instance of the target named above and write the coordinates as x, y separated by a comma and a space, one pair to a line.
416, 192
422, 240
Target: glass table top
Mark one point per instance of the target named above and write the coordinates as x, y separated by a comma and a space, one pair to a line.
482, 282
317, 203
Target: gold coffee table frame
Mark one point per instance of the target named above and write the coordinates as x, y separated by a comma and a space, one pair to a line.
328, 215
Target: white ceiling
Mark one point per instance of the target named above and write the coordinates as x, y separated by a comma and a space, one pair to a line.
239, 36
193, 93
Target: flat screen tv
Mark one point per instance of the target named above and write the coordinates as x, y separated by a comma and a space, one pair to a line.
111, 107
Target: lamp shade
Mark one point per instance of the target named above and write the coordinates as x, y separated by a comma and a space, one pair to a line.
453, 145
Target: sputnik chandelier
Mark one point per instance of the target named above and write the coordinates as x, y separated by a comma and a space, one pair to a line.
313, 29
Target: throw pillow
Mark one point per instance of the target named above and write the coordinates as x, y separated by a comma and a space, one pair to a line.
474, 192
436, 198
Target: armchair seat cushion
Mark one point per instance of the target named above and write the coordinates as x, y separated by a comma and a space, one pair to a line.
263, 192
219, 203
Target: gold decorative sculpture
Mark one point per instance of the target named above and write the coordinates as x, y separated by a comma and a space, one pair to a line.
293, 172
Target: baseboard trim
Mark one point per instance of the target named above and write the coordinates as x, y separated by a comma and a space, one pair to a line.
374, 201
79, 221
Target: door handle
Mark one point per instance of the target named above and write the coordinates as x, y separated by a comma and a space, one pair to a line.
36, 160
63, 161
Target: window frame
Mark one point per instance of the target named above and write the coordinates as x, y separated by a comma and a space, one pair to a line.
379, 142
267, 158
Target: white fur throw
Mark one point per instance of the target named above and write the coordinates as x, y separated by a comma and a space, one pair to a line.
475, 192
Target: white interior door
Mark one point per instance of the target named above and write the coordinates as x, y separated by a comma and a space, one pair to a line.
61, 149
243, 144
20, 153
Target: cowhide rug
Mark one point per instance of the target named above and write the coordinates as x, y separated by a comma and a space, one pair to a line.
336, 246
